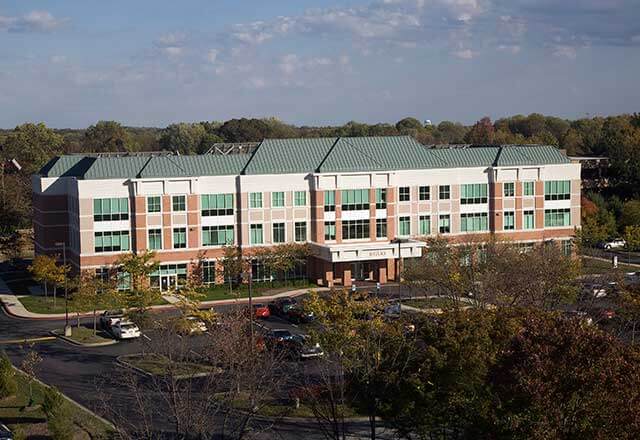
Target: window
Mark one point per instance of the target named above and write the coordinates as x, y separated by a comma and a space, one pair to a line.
557, 217
217, 235
329, 201
381, 228
567, 247
557, 190
424, 193
155, 239
154, 204
473, 193
179, 270
208, 272
111, 241
102, 274
424, 223
381, 198
179, 238
509, 189
528, 188
256, 234
529, 221
300, 231
355, 229
123, 280
105, 210
329, 231
216, 204
277, 199
404, 194
509, 222
444, 192
300, 198
278, 233
255, 200
355, 199
444, 224
474, 222
178, 203
404, 226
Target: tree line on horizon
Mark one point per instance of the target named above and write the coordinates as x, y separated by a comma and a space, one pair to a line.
33, 144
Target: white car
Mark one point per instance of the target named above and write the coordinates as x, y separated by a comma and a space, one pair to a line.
614, 244
196, 325
125, 330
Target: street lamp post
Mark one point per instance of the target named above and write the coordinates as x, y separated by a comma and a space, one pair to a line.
67, 327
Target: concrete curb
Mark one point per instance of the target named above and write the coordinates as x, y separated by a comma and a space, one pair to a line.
205, 304
71, 341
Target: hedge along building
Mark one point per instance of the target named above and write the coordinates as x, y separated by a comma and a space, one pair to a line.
361, 203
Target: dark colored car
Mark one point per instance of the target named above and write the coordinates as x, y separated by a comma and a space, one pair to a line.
298, 315
5, 433
281, 306
110, 317
292, 346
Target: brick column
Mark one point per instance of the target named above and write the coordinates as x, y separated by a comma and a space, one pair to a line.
317, 216
139, 217
539, 210
495, 207
518, 207
372, 214
193, 220
391, 213
338, 217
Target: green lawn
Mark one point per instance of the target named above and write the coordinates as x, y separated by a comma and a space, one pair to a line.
430, 303
42, 304
84, 335
591, 266
160, 365
33, 422
221, 291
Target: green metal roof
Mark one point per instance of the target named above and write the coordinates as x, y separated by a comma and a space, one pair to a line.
300, 156
288, 156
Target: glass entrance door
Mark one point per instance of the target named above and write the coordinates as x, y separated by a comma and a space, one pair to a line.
360, 271
168, 282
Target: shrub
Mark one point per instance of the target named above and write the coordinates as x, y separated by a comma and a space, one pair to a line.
59, 420
7, 377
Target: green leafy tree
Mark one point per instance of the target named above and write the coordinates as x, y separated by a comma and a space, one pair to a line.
29, 366
183, 137
107, 136
408, 124
41, 269
59, 415
449, 132
232, 265
92, 293
8, 385
630, 215
632, 237
32, 145
138, 268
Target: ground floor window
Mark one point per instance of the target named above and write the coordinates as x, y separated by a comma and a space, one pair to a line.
355, 229
256, 234
169, 276
208, 271
567, 247
260, 273
529, 220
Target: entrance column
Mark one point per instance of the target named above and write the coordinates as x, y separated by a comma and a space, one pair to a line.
391, 269
382, 272
346, 277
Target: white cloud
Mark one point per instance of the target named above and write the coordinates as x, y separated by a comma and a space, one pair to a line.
565, 52
34, 21
171, 40
465, 54
57, 59
173, 51
510, 48
256, 83
212, 55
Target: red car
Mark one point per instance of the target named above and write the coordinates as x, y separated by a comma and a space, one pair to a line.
261, 311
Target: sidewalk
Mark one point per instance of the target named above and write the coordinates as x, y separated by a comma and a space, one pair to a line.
14, 307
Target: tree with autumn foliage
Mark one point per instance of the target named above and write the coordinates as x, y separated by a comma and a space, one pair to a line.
481, 133
281, 259
138, 267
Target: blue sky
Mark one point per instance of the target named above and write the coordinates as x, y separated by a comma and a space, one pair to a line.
70, 63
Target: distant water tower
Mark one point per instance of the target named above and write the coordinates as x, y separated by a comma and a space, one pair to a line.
428, 123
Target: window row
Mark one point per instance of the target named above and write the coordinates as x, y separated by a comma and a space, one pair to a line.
111, 209
277, 199
178, 204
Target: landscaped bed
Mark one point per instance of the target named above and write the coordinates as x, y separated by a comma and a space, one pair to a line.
32, 421
431, 303
221, 291
44, 304
284, 408
592, 266
161, 366
84, 335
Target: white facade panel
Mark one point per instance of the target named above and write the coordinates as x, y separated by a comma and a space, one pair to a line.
103, 188
357, 181
275, 182
557, 204
218, 220
329, 216
507, 175
381, 180
476, 207
381, 213
150, 188
561, 172
177, 187
355, 215
121, 225
215, 185
529, 173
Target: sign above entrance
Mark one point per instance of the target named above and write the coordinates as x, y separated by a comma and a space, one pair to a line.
367, 251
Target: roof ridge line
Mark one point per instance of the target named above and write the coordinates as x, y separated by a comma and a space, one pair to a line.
253, 154
374, 160
335, 142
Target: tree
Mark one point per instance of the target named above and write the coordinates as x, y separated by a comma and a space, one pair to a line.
29, 366
107, 136
632, 237
598, 224
449, 132
138, 268
32, 145
281, 259
182, 137
559, 378
59, 416
8, 385
630, 215
482, 132
408, 124
45, 269
232, 265
92, 293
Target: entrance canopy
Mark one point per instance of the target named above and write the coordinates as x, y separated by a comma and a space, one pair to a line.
337, 253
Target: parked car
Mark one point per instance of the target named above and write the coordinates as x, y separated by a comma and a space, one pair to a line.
261, 311
281, 306
298, 315
124, 329
109, 317
292, 346
192, 325
614, 244
5, 432
580, 315
393, 310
